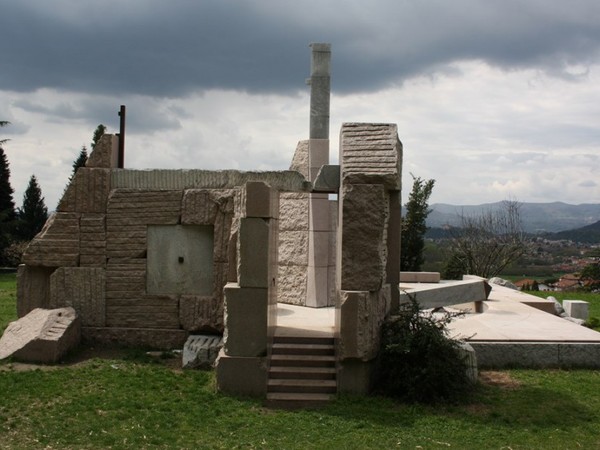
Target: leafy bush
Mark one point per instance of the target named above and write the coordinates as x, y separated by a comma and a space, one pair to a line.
418, 361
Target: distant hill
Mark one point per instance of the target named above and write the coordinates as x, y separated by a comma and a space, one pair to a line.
590, 234
536, 217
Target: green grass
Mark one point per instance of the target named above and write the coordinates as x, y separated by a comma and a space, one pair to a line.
8, 299
133, 402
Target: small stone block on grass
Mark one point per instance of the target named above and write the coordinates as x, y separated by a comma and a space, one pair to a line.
577, 309
201, 351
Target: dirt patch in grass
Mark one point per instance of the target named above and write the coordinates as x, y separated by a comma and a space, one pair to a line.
85, 354
500, 379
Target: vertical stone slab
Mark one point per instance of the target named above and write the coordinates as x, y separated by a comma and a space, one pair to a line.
201, 314
253, 251
82, 288
246, 321
364, 237
393, 247
33, 288
105, 154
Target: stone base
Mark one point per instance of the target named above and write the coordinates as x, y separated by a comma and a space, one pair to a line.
242, 376
355, 376
537, 355
163, 339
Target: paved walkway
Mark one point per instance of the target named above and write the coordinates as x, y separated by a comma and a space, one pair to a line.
298, 320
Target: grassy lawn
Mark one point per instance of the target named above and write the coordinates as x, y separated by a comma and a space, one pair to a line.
8, 299
127, 400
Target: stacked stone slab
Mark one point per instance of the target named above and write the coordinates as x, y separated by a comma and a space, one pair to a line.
368, 251
251, 300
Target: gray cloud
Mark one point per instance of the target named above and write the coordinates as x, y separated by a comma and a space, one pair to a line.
174, 48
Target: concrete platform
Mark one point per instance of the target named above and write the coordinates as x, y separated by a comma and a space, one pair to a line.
511, 333
302, 321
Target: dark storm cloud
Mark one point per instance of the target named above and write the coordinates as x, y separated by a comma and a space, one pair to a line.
178, 47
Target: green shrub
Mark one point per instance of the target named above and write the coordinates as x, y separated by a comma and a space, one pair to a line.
418, 361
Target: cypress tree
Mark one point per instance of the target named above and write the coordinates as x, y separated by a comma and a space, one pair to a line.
414, 227
34, 213
7, 206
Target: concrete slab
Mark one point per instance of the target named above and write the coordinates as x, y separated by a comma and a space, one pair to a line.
444, 293
295, 320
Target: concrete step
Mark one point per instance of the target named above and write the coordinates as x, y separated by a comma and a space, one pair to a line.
299, 339
303, 349
304, 373
303, 360
297, 386
285, 400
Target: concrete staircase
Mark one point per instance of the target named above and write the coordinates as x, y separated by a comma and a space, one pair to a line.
302, 372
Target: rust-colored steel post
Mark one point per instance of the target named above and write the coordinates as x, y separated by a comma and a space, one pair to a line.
121, 164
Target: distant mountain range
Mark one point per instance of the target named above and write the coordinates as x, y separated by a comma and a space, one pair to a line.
536, 217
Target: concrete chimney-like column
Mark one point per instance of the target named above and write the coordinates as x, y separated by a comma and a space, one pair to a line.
320, 275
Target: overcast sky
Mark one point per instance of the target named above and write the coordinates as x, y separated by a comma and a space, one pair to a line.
493, 99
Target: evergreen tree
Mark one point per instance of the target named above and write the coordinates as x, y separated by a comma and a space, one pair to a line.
100, 130
34, 213
7, 205
413, 225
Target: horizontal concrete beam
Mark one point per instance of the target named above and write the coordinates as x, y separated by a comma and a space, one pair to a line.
445, 293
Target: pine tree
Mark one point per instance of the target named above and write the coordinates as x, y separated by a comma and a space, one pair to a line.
7, 206
414, 227
34, 213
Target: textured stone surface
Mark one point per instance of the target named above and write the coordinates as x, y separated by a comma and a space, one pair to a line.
57, 244
201, 351
499, 355
43, 335
359, 317
246, 314
81, 288
92, 240
87, 192
253, 262
198, 313
371, 153
300, 159
293, 211
105, 153
293, 248
242, 375
328, 179
33, 288
467, 353
209, 179
292, 284
128, 214
363, 245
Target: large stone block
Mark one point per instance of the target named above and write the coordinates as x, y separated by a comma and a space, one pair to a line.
201, 314
245, 376
57, 244
445, 293
43, 335
33, 288
81, 288
201, 206
105, 154
359, 318
363, 237
371, 153
87, 192
259, 200
253, 244
246, 321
